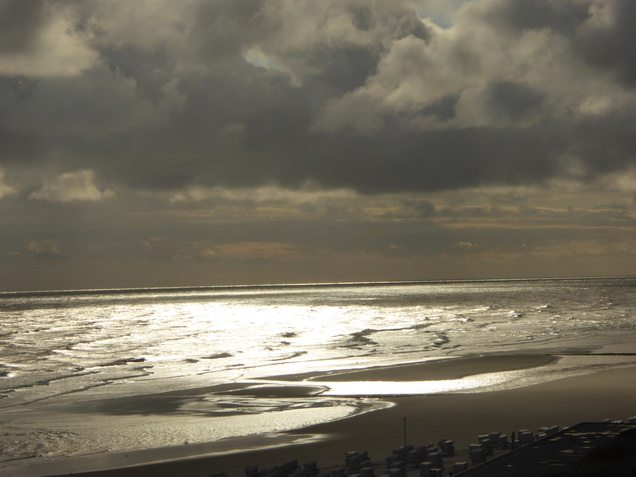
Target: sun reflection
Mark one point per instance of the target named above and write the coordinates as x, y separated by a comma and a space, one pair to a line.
406, 388
469, 384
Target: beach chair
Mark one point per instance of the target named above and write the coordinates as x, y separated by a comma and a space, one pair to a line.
394, 460
447, 448
486, 443
367, 472
397, 472
425, 468
459, 467
267, 472
403, 451
477, 453
287, 468
337, 473
299, 472
356, 460
436, 459
525, 437
251, 471
416, 455
547, 431
311, 467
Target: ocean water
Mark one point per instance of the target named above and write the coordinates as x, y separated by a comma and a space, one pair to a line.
72, 362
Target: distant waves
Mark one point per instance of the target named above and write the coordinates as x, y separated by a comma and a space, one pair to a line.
151, 337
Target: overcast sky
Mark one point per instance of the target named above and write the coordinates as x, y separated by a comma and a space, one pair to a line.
209, 142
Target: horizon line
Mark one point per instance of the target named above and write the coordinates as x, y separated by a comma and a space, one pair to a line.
135, 290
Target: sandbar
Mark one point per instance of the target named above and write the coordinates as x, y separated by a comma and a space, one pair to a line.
434, 370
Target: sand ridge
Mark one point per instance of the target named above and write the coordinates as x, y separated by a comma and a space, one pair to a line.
437, 369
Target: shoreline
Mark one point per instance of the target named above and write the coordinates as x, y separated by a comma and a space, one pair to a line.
429, 418
435, 369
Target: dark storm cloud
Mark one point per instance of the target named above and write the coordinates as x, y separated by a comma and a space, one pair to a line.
342, 93
442, 159
20, 23
512, 101
605, 43
16, 147
608, 46
517, 16
606, 144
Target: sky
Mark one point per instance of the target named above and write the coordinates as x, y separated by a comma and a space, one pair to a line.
213, 142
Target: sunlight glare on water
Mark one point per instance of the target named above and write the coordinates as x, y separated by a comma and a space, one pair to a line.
412, 388
70, 349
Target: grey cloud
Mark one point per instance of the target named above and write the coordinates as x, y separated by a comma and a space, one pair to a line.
20, 23
223, 28
608, 45
443, 108
17, 147
343, 70
335, 43
601, 32
43, 38
424, 208
513, 101
150, 70
167, 109
438, 160
606, 143
563, 16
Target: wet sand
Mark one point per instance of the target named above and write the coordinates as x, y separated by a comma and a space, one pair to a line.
461, 417
433, 370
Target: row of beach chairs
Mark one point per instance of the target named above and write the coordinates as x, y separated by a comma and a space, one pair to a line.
290, 468
488, 443
427, 458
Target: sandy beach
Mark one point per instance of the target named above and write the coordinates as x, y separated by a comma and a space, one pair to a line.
429, 418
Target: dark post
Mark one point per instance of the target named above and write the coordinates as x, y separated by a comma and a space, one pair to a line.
405, 431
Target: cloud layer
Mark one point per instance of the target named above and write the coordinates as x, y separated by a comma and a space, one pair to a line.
157, 103
358, 94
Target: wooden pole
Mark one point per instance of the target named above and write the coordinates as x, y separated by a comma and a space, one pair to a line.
405, 431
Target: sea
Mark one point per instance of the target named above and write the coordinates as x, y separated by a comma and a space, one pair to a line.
86, 372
